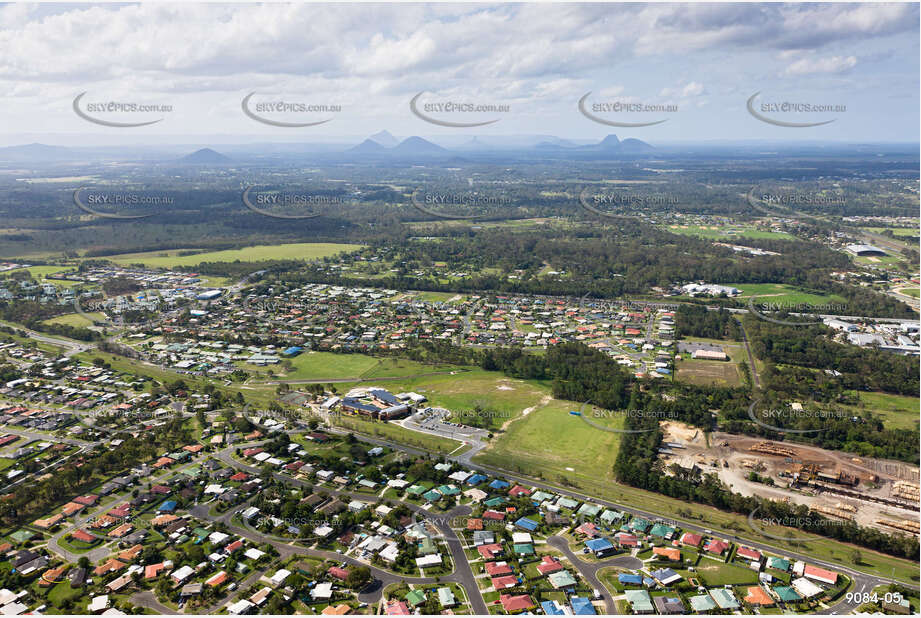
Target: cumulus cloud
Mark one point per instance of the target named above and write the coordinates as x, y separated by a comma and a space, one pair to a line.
810, 66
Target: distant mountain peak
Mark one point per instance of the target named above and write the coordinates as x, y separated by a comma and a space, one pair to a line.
369, 146
205, 156
385, 138
611, 141
417, 145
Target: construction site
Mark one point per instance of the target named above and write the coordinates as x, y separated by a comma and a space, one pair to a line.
870, 492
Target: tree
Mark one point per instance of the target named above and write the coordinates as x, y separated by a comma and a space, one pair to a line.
358, 577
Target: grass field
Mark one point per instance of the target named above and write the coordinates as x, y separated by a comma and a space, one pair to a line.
725, 233
75, 319
783, 293
323, 366
898, 411
896, 231
913, 292
550, 443
39, 272
257, 253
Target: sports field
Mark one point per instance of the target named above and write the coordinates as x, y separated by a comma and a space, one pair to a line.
256, 253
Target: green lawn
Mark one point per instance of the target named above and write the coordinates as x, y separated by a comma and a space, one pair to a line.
784, 294
898, 411
552, 443
256, 253
725, 233
75, 319
717, 573
896, 231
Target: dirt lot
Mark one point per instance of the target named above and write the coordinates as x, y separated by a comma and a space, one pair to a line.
706, 372
730, 457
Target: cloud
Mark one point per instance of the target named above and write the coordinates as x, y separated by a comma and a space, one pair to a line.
811, 66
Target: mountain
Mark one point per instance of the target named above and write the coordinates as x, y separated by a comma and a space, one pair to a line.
205, 156
632, 145
611, 142
369, 146
385, 139
36, 152
415, 145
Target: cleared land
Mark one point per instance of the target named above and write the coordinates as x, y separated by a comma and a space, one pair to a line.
708, 372
256, 253
551, 443
898, 411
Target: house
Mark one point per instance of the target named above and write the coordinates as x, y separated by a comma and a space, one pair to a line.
497, 569
668, 605
690, 539
601, 547
758, 597
702, 604
339, 610
667, 553
322, 591
640, 601
415, 597
724, 598
548, 565
582, 606
666, 577
338, 572
216, 580
516, 603
820, 575
805, 588
446, 597
716, 546
562, 580
397, 608
752, 555
553, 608
181, 574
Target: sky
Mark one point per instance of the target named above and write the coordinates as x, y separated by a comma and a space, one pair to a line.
695, 65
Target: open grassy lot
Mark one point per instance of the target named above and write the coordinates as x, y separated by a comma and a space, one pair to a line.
322, 366
896, 231
39, 272
718, 573
899, 411
552, 443
783, 293
257, 253
725, 233
75, 319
